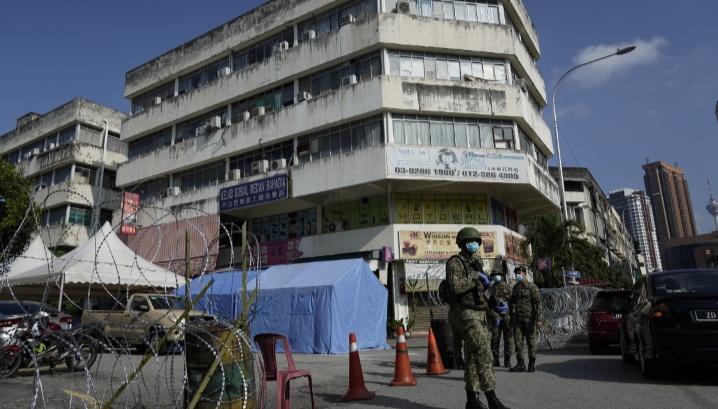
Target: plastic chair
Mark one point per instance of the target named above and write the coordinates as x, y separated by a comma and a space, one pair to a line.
267, 344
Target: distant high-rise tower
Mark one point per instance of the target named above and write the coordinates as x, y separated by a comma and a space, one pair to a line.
668, 193
635, 212
712, 206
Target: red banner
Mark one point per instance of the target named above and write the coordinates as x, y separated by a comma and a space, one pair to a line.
130, 206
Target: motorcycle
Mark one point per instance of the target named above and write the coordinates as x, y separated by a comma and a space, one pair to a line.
38, 342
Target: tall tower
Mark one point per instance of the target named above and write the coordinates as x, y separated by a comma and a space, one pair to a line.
668, 193
712, 206
635, 212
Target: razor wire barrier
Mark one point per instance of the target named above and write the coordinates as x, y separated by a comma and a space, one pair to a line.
145, 372
564, 309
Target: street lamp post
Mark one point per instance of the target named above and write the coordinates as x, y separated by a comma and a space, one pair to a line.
555, 121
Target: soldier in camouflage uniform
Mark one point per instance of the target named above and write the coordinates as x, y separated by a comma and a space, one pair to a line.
502, 291
526, 316
467, 284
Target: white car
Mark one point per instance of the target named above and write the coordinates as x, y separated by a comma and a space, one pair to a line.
13, 312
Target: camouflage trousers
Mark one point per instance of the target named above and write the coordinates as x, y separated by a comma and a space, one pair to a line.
496, 333
455, 323
478, 369
524, 333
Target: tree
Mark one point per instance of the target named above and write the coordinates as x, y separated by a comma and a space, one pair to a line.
18, 222
548, 235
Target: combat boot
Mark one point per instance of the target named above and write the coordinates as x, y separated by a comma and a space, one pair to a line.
532, 366
458, 363
520, 367
473, 401
507, 361
496, 361
494, 402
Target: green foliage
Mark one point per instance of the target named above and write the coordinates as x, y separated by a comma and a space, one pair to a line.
20, 219
550, 236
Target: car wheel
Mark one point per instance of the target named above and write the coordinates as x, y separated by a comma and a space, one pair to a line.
648, 366
153, 339
9, 363
83, 358
595, 348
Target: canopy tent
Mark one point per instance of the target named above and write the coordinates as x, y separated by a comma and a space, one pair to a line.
35, 255
316, 305
102, 262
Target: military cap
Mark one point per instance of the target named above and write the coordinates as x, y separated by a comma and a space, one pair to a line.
520, 269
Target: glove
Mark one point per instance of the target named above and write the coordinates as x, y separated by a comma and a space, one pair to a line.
483, 279
496, 322
502, 308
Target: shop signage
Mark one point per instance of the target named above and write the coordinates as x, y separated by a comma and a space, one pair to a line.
261, 191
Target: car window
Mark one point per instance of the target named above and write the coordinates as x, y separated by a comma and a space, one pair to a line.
11, 308
686, 282
611, 301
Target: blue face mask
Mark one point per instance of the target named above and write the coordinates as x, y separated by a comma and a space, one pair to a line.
472, 247
519, 277
497, 278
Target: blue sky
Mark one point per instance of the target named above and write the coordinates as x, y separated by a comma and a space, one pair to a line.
655, 103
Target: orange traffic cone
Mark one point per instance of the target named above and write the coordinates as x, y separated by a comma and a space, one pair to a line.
357, 390
434, 365
402, 366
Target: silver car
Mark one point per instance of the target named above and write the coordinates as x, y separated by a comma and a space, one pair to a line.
13, 312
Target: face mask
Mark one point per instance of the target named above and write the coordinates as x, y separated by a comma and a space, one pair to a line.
519, 277
472, 247
497, 278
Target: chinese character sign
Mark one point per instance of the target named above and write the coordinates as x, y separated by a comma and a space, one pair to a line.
253, 193
130, 206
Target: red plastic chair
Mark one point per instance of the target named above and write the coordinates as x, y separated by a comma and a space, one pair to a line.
267, 344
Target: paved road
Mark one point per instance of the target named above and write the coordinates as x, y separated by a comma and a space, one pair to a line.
565, 378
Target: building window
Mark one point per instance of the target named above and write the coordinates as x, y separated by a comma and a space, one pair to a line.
201, 176
202, 76
277, 151
164, 92
261, 50
451, 131
284, 226
152, 189
327, 21
446, 67
330, 79
188, 129
66, 135
150, 143
55, 217
484, 11
62, 175
270, 100
81, 216
81, 174
503, 137
341, 139
356, 214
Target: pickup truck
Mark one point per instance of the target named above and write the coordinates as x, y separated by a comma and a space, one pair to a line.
144, 320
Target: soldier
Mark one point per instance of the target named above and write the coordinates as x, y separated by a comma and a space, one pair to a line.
502, 291
526, 316
467, 284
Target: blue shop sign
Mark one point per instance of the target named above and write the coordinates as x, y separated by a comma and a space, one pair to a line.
254, 193
569, 273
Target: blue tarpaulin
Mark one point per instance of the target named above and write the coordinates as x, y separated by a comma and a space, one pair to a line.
315, 305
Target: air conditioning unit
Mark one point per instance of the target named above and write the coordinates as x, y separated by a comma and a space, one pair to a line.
521, 83
405, 7
349, 80
26, 155
52, 145
278, 164
260, 166
35, 151
258, 111
174, 191
200, 131
156, 101
346, 19
304, 96
235, 174
335, 226
213, 123
223, 72
244, 116
281, 46
309, 35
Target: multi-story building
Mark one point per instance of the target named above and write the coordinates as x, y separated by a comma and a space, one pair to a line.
603, 226
337, 128
72, 154
670, 198
635, 210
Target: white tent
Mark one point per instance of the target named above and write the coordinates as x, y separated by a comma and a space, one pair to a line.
102, 261
35, 255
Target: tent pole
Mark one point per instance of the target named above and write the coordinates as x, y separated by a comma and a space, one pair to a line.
62, 289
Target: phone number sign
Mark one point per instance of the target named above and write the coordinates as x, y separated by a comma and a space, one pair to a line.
253, 193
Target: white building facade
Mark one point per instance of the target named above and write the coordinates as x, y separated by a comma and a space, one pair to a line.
335, 128
637, 214
74, 168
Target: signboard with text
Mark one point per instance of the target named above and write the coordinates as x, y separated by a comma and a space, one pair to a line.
253, 193
456, 163
439, 245
130, 206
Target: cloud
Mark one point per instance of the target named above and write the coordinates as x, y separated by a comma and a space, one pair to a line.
647, 52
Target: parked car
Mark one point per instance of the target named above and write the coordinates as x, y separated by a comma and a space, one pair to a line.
604, 317
672, 317
12, 313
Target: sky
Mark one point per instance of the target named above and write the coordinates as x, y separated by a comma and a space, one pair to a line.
655, 103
